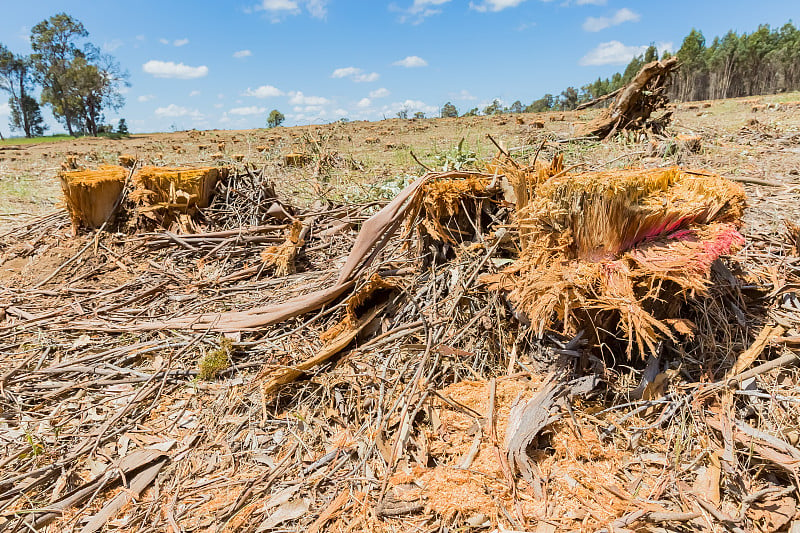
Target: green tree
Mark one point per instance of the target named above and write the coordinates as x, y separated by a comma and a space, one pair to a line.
419, 114
569, 98
54, 43
651, 54
516, 107
474, 112
495, 108
275, 119
16, 80
94, 86
122, 127
26, 116
402, 114
693, 65
545, 103
449, 111
77, 82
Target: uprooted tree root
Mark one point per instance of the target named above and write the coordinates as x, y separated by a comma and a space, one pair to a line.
633, 104
394, 387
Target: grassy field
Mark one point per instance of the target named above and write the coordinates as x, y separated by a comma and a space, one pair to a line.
14, 141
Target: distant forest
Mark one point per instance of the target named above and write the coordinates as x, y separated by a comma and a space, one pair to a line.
766, 61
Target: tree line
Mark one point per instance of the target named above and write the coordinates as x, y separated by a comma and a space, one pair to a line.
763, 62
74, 78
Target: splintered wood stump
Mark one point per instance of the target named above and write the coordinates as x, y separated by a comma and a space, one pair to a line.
178, 188
295, 159
634, 103
91, 195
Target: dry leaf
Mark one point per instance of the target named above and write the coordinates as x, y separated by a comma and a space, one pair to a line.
772, 514
288, 511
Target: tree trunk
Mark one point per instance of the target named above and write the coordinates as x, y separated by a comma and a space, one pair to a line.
26, 120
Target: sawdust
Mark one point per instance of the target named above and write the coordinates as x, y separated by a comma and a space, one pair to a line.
580, 473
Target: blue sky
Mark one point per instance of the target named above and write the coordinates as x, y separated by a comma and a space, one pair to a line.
225, 64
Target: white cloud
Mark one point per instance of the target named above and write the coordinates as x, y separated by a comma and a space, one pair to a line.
315, 8
174, 111
366, 77
611, 53
194, 93
176, 42
308, 109
601, 23
242, 53
356, 74
420, 10
494, 5
265, 91
298, 98
169, 69
340, 112
5, 109
591, 2
411, 62
146, 97
463, 95
345, 72
110, 46
412, 106
665, 46
364, 102
279, 5
246, 111
218, 106
379, 93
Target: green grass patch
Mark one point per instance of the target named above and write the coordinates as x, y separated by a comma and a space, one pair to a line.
215, 361
35, 140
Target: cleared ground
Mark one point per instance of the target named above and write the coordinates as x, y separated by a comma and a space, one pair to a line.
364, 156
121, 409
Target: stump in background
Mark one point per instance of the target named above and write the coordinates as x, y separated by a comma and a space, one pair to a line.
91, 195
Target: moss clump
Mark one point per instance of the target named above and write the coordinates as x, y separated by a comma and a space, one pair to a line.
215, 361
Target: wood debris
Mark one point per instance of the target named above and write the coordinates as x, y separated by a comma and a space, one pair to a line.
382, 365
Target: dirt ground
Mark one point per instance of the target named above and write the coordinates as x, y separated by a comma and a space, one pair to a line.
371, 155
109, 424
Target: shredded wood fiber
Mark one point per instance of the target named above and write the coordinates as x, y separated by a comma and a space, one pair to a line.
91, 195
177, 188
606, 248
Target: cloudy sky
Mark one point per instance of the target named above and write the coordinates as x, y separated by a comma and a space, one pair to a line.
226, 64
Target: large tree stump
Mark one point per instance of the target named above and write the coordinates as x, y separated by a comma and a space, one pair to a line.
179, 189
634, 103
91, 195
